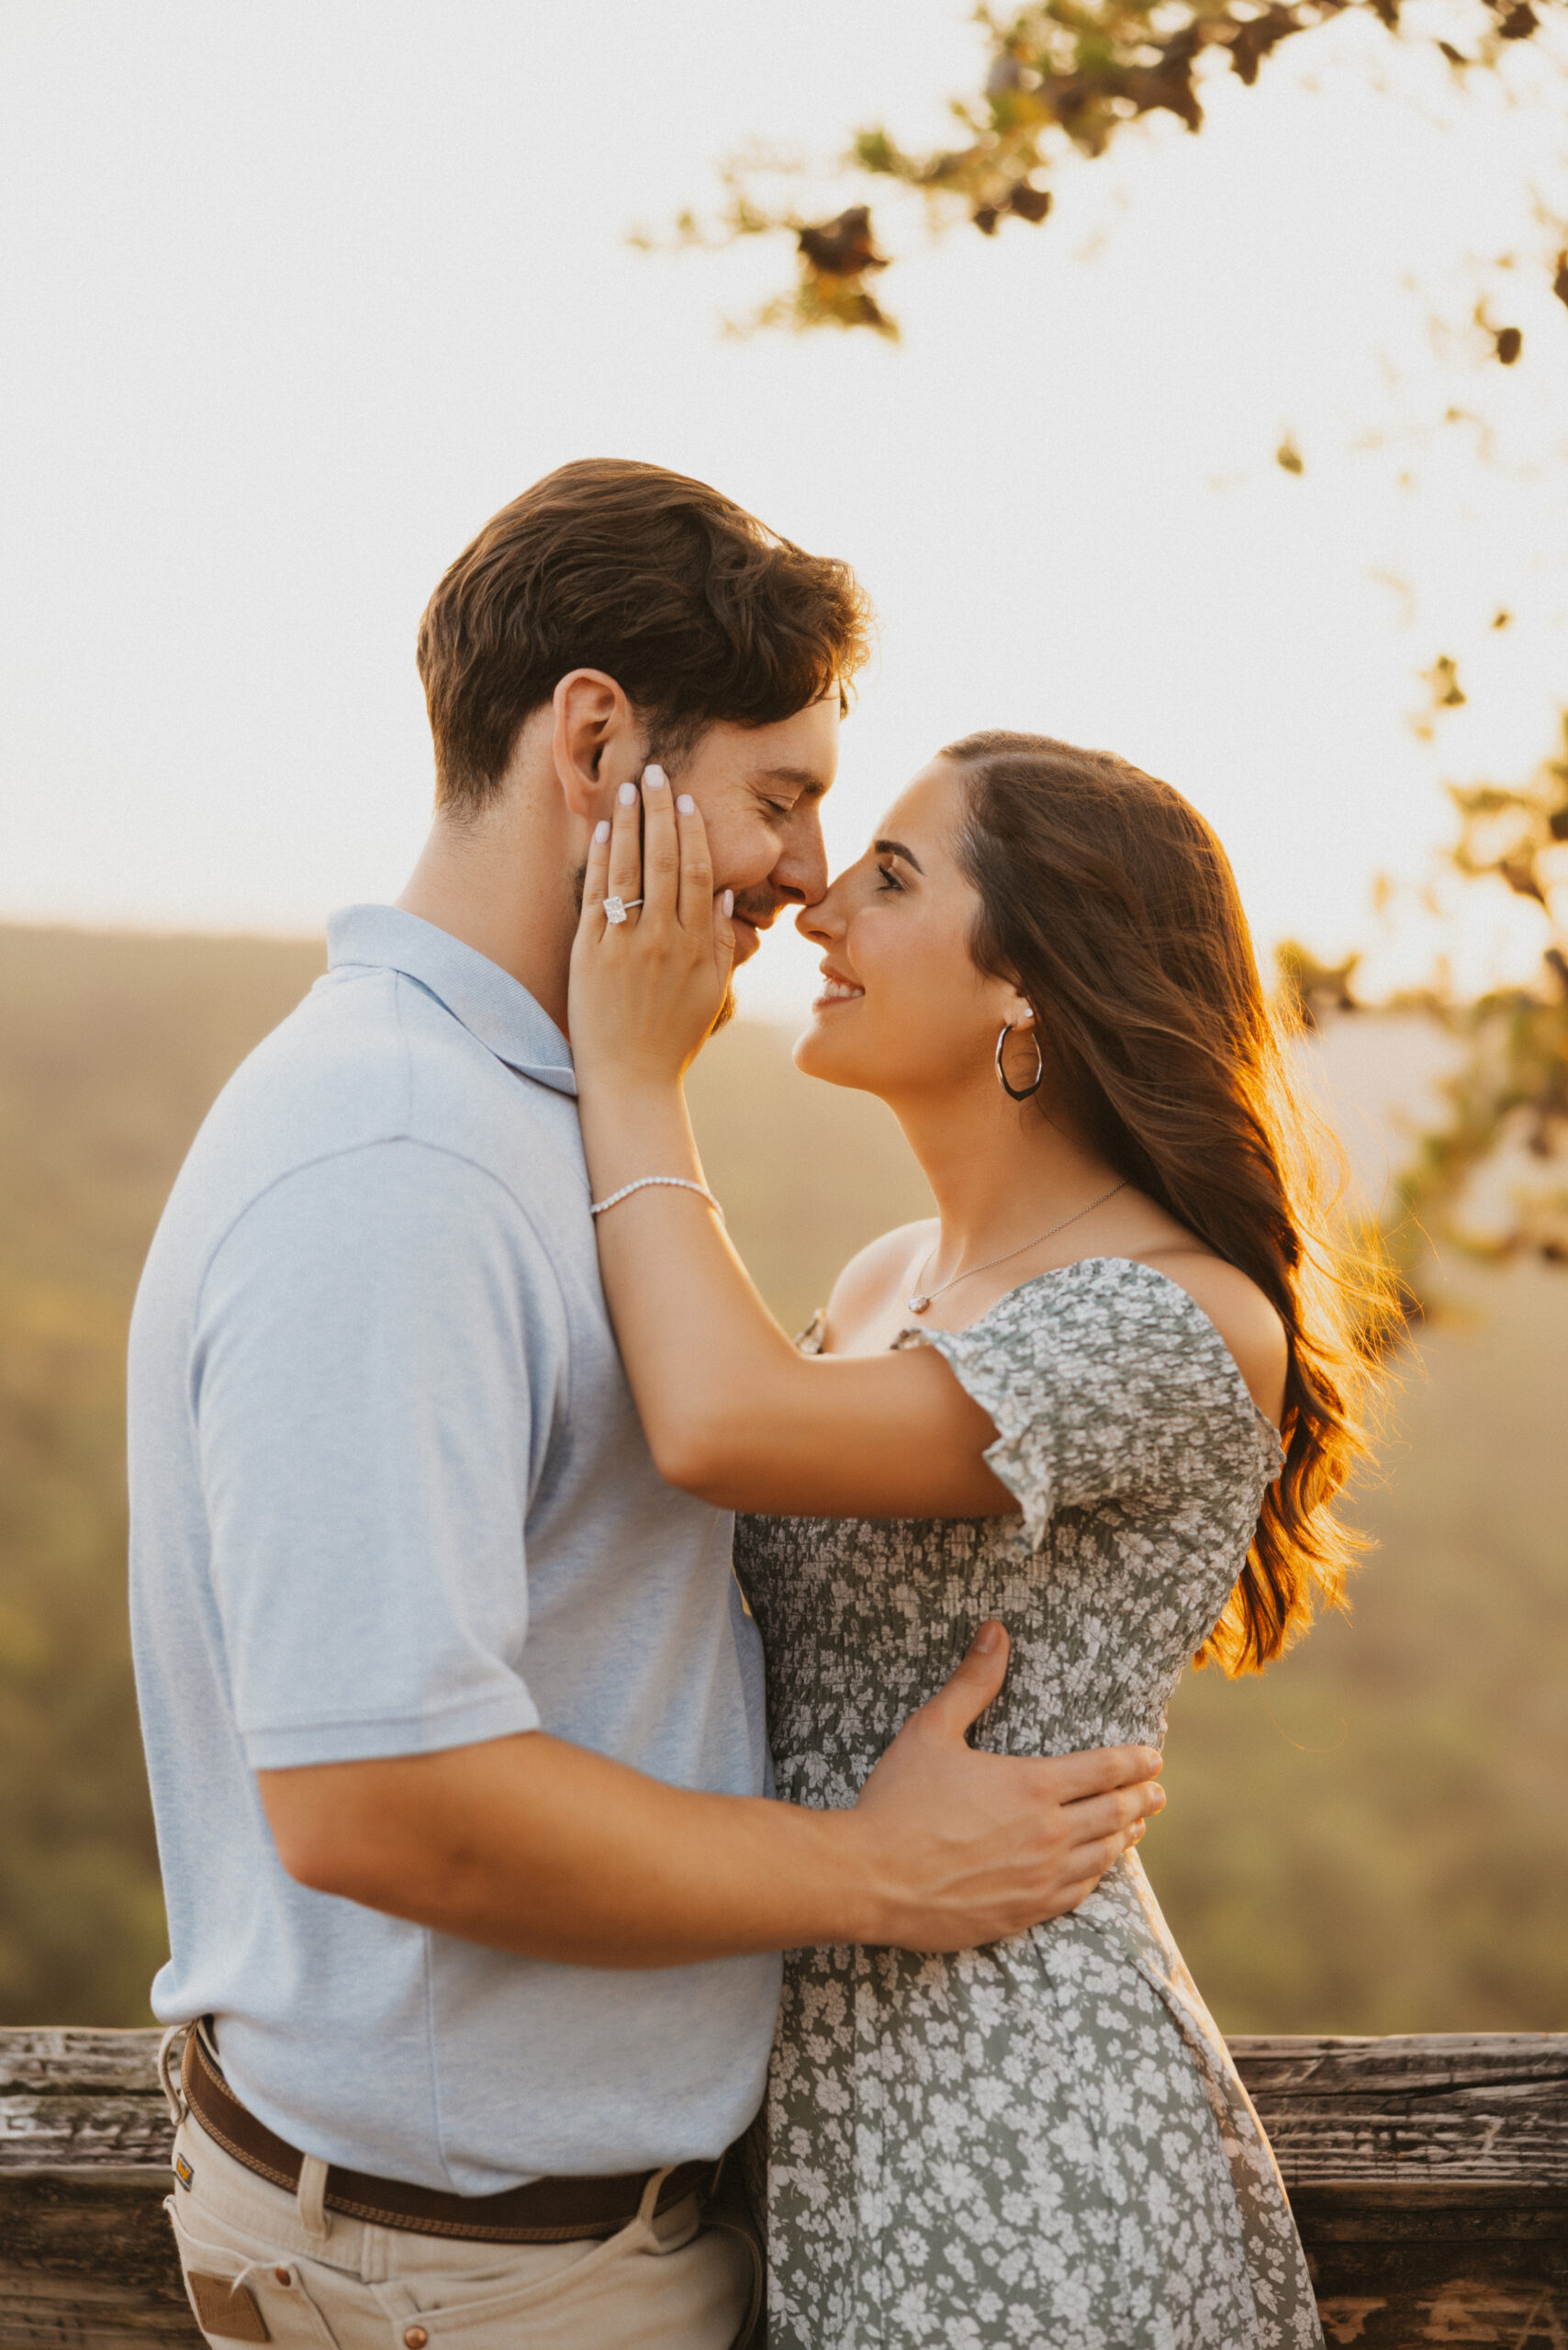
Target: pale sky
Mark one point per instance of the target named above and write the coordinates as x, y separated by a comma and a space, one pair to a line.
295, 295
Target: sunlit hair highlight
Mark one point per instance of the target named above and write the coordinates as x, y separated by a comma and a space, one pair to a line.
1109, 901
696, 610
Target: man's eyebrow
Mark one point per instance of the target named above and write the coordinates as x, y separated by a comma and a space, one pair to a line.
897, 848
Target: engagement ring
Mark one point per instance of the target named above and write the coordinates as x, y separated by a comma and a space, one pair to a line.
617, 909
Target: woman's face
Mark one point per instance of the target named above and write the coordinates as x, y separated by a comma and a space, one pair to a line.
902, 1009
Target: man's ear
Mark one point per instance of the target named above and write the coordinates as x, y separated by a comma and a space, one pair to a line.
597, 743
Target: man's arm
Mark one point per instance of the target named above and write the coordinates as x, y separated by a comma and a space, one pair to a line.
529, 1844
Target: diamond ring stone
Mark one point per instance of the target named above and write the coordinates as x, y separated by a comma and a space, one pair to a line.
617, 909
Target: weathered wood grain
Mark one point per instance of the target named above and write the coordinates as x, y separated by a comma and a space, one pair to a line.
80, 2101
1430, 2181
1429, 2178
65, 2062
1408, 2064
1415, 2113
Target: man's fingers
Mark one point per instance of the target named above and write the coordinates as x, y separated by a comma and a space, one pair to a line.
1098, 1816
971, 1688
1101, 1769
661, 848
1071, 1895
1090, 1861
1100, 1833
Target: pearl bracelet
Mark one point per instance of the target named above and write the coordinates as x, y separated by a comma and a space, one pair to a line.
676, 1183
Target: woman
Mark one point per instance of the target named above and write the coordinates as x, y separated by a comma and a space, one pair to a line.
1106, 1397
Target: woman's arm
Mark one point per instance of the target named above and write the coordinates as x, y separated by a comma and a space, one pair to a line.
731, 1411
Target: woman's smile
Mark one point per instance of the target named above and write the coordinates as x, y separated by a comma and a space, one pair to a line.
836, 989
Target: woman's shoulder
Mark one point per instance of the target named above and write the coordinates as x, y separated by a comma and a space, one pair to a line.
880, 1270
1116, 1321
1249, 1325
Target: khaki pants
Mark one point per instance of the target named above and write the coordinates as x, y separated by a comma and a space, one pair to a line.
256, 2257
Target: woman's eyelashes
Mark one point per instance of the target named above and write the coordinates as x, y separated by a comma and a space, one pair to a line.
889, 880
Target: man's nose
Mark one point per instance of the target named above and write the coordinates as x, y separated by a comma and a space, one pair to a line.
800, 874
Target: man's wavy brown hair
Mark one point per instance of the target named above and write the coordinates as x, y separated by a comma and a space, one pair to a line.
696, 609
1109, 901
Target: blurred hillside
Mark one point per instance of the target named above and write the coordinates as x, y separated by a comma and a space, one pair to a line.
110, 1050
1373, 1838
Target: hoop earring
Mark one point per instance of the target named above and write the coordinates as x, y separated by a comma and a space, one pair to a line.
1013, 1093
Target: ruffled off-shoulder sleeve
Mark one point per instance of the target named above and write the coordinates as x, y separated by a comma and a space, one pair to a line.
1105, 1380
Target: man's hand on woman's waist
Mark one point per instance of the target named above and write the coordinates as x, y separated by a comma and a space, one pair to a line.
529, 1844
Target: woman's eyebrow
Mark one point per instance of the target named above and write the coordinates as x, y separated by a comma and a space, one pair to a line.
897, 848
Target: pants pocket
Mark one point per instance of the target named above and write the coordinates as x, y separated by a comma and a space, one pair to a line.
236, 2295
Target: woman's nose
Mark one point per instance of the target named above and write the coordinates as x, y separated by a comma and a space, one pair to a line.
819, 923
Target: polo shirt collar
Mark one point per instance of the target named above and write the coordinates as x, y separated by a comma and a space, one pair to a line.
494, 1007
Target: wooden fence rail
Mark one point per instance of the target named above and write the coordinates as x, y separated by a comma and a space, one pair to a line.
1429, 2177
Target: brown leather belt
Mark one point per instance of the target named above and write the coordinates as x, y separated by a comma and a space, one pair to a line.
550, 2211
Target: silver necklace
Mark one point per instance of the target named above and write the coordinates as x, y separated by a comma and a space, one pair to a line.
923, 1297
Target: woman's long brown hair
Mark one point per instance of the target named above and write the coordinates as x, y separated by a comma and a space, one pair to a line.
1111, 904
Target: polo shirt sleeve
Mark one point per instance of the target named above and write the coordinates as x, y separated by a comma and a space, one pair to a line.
377, 1348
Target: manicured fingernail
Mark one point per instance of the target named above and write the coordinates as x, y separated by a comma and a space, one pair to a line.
987, 1639
1159, 1798
627, 795
654, 777
687, 805
729, 904
601, 831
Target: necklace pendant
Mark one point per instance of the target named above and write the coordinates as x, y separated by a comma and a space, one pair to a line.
918, 1305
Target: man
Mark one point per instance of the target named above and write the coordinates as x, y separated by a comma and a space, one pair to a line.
452, 1707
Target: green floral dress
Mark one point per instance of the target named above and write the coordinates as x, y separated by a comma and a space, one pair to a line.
1043, 2142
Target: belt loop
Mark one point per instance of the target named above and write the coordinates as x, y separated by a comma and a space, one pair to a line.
312, 2197
168, 2074
648, 2208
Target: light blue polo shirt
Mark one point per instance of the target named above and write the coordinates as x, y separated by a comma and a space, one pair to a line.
390, 1495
